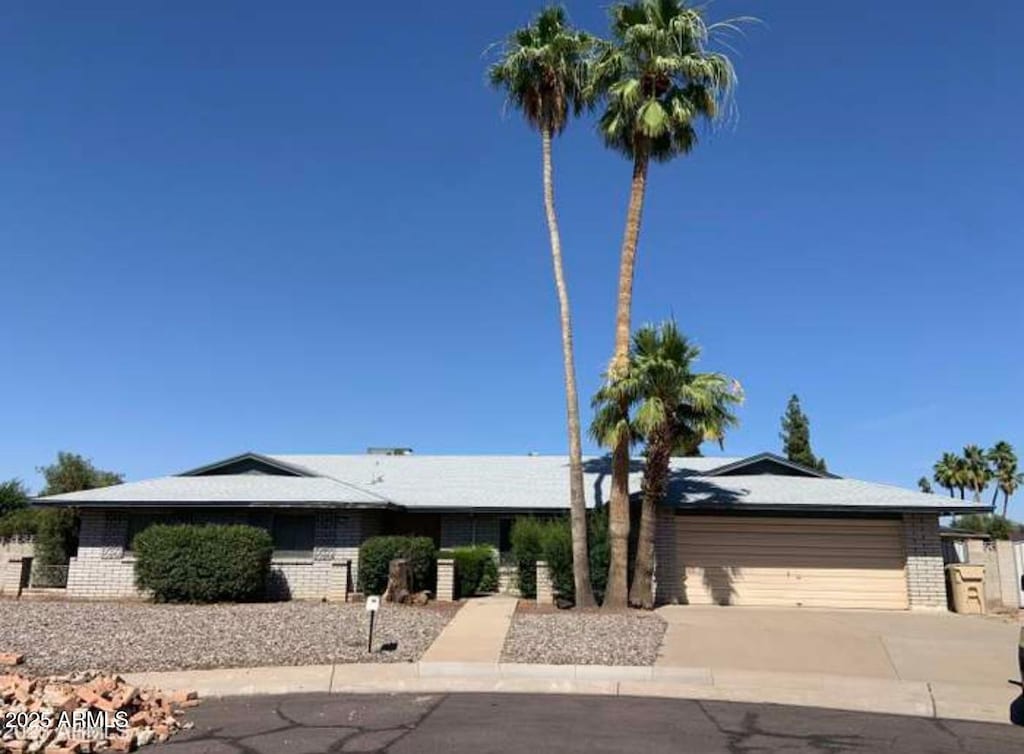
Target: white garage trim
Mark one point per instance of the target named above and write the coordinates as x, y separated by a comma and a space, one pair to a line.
782, 561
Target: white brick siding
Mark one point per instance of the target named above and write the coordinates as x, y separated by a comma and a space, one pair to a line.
102, 570
926, 580
11, 553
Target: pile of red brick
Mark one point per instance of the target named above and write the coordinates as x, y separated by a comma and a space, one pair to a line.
86, 712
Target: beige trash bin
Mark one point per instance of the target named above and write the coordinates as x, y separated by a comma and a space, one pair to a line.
967, 584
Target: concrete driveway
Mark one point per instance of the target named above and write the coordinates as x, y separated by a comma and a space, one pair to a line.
941, 647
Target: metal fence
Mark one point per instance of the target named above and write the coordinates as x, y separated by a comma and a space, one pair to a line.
49, 576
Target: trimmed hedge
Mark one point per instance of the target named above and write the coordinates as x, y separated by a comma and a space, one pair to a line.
526, 537
376, 553
476, 568
203, 563
550, 540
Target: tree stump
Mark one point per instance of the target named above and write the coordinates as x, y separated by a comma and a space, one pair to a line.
399, 581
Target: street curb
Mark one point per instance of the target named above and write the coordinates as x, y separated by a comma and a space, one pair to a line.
859, 694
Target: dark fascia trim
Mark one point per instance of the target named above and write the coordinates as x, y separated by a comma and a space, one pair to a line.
127, 504
736, 465
796, 509
249, 455
484, 509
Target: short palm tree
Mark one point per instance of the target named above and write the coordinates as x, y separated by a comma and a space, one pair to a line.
658, 80
945, 472
542, 70
924, 485
673, 406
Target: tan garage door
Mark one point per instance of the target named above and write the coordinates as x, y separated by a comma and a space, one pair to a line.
730, 560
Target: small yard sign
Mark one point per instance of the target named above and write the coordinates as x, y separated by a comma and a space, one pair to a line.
372, 606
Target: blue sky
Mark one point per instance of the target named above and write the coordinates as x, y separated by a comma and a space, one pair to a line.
301, 227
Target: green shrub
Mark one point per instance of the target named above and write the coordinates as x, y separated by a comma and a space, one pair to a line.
476, 568
556, 548
376, 553
23, 522
550, 540
56, 536
527, 549
202, 563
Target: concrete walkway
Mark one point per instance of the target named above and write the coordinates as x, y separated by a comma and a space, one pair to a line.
476, 633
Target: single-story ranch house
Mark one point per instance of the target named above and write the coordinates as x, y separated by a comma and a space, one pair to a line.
750, 531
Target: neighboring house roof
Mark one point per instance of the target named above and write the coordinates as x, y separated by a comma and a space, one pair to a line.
948, 532
514, 483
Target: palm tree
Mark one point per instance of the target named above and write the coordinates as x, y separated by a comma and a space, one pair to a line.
542, 70
1004, 463
673, 405
924, 485
961, 475
945, 472
977, 471
658, 79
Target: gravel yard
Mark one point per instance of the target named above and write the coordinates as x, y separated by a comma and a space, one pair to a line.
576, 637
58, 637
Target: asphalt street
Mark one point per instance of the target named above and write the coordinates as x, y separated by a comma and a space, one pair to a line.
480, 723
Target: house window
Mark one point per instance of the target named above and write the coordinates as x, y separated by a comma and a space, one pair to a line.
293, 535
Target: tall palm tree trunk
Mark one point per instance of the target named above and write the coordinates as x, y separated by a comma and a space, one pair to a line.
656, 468
578, 505
616, 591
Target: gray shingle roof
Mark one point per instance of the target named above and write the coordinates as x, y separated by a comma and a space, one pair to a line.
504, 483
245, 489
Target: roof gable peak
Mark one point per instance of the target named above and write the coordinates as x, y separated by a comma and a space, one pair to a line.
769, 463
249, 463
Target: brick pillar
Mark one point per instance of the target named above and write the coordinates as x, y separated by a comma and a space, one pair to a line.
926, 578
545, 592
446, 580
338, 581
12, 577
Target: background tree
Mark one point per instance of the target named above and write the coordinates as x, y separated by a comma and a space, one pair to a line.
796, 436
74, 473
13, 496
976, 471
658, 80
1004, 468
542, 70
961, 475
671, 402
944, 472
924, 485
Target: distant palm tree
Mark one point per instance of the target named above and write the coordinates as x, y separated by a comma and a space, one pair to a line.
945, 472
924, 485
673, 405
977, 473
542, 69
1004, 468
658, 80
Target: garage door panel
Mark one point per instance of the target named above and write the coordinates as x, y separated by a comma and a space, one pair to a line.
780, 562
